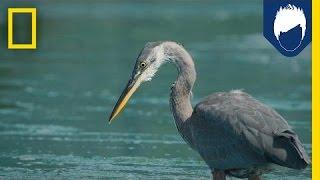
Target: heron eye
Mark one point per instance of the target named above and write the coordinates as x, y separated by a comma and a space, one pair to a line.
143, 64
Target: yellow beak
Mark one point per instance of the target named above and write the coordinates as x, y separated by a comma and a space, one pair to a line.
124, 98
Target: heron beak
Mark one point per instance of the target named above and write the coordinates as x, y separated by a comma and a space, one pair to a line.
131, 87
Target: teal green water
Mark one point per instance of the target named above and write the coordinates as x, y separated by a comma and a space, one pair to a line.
55, 101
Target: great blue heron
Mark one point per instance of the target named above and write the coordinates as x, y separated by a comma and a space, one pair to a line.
235, 134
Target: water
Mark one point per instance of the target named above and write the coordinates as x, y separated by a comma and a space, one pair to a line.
55, 101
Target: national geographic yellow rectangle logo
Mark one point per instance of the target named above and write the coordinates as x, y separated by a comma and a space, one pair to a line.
33, 12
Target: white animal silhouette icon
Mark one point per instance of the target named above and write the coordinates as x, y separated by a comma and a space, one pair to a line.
287, 18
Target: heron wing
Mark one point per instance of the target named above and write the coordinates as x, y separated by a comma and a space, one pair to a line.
246, 131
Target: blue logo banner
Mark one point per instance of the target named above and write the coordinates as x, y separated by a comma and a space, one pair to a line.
287, 25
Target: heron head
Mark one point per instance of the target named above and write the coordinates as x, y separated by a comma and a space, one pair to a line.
147, 64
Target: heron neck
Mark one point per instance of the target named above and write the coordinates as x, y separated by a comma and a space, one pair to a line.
180, 97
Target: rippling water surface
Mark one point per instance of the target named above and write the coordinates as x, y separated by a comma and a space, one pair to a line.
55, 101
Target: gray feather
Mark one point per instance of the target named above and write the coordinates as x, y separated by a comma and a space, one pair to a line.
261, 134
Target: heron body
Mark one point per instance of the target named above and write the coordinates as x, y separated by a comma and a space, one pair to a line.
234, 133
